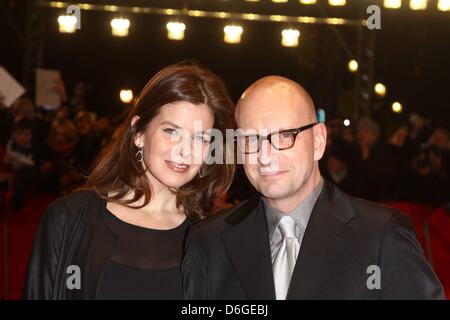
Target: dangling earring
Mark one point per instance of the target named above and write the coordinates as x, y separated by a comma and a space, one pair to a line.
140, 155
201, 172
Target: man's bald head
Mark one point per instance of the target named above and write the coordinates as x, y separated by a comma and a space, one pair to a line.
283, 169
280, 94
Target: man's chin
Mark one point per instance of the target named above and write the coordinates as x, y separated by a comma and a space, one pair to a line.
273, 191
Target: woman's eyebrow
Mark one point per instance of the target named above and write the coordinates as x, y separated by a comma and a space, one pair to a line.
170, 123
178, 127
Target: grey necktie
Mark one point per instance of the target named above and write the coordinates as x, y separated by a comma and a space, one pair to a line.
284, 262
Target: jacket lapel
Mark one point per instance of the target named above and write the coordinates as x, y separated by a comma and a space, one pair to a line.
324, 242
247, 244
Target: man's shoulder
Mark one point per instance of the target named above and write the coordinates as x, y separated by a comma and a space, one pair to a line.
361, 211
219, 221
373, 215
372, 211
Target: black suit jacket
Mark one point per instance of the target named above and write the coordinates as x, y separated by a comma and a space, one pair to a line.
228, 255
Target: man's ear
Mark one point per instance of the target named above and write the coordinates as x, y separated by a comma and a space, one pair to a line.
320, 140
138, 139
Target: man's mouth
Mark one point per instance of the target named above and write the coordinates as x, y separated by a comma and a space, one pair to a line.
270, 171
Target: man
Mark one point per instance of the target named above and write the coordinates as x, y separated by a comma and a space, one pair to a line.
301, 238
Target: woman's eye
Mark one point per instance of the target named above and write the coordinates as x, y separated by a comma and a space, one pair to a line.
202, 138
170, 131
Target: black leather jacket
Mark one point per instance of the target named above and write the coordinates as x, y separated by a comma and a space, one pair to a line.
72, 232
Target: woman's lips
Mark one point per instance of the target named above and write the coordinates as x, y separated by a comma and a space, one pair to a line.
177, 167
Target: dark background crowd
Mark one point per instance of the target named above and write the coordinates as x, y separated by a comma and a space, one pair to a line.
51, 150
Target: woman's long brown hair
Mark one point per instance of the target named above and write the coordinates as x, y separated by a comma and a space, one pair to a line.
116, 172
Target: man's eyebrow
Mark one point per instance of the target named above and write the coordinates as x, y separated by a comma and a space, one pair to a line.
263, 135
283, 129
170, 123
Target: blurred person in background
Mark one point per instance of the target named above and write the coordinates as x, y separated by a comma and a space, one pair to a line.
105, 129
334, 130
400, 151
440, 138
56, 161
88, 140
20, 158
430, 180
6, 121
337, 166
348, 135
373, 167
24, 109
62, 113
420, 130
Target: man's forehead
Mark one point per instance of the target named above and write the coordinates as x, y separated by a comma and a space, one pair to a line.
272, 90
274, 102
270, 119
261, 109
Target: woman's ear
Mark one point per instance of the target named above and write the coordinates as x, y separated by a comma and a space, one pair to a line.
133, 121
138, 137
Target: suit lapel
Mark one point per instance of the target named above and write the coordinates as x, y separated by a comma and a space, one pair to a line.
324, 242
247, 244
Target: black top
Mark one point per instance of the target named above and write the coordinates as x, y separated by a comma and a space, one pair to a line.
145, 263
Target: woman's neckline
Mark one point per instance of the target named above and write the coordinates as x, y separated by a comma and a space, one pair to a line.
138, 227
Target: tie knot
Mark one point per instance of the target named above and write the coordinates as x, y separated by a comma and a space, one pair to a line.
287, 227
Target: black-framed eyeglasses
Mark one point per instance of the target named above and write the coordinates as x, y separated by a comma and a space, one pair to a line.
281, 140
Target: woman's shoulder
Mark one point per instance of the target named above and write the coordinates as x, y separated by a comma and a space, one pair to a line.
74, 205
81, 198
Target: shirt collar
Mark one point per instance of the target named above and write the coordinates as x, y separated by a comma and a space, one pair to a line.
300, 214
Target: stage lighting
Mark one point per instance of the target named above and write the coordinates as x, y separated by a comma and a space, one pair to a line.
353, 66
444, 5
67, 24
337, 3
232, 34
119, 27
397, 107
380, 90
392, 4
290, 37
175, 30
126, 95
418, 4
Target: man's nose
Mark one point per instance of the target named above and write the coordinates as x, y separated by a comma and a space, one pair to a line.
265, 153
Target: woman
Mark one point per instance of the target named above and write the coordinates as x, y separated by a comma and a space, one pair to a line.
121, 236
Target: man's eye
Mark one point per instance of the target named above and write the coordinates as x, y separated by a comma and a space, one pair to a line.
285, 135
